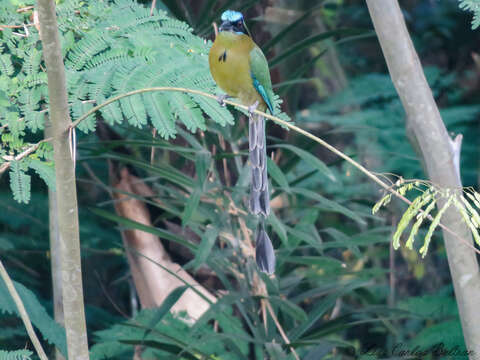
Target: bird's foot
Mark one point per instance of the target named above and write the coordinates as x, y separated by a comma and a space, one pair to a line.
252, 108
221, 99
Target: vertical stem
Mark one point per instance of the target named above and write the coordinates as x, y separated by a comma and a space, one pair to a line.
55, 254
22, 312
425, 122
72, 290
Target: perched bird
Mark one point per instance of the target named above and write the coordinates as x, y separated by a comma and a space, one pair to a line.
240, 68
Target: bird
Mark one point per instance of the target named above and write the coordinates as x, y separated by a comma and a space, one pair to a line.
240, 68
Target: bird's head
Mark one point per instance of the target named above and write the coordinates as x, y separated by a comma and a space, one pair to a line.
233, 21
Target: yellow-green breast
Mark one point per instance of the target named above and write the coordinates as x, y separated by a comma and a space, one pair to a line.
229, 61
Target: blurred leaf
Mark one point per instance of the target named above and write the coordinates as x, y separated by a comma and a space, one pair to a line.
206, 245
191, 205
276, 173
278, 227
296, 312
167, 304
309, 158
289, 28
130, 224
50, 329
329, 204
309, 41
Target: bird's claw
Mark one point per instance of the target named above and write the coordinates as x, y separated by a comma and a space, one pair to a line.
221, 99
252, 108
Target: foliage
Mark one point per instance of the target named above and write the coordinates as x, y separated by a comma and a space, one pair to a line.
127, 49
331, 288
15, 355
466, 203
50, 330
473, 6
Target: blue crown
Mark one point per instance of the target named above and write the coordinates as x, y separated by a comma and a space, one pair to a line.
231, 16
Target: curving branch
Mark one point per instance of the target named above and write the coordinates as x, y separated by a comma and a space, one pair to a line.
295, 128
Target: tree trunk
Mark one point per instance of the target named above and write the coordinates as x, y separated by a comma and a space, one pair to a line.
438, 153
55, 255
72, 290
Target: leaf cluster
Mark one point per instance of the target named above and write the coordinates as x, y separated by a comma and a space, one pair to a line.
467, 203
474, 7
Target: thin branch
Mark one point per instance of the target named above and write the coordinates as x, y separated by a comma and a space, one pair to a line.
280, 329
284, 123
22, 155
152, 8
23, 313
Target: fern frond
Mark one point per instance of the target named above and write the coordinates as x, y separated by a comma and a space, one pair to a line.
45, 170
86, 49
29, 99
32, 60
473, 6
6, 66
16, 355
19, 183
80, 105
187, 111
160, 115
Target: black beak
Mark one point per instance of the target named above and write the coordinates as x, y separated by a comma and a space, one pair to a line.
226, 26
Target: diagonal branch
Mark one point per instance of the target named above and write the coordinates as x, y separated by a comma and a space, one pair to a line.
289, 125
23, 313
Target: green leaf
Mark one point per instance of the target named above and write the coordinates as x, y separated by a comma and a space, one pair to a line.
49, 328
6, 67
160, 114
474, 6
277, 174
203, 160
320, 308
278, 227
191, 206
130, 224
329, 204
436, 220
167, 304
19, 183
309, 41
45, 170
295, 311
16, 355
205, 247
309, 158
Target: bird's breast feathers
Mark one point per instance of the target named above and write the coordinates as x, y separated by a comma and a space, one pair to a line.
229, 61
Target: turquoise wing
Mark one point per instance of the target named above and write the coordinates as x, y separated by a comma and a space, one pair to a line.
261, 76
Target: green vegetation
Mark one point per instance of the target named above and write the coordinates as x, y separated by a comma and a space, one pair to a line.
340, 290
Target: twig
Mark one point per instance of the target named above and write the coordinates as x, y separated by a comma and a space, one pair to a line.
23, 313
24, 9
152, 151
284, 123
226, 173
280, 329
154, 4
20, 156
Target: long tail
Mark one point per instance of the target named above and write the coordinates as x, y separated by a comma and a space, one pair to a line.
259, 194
